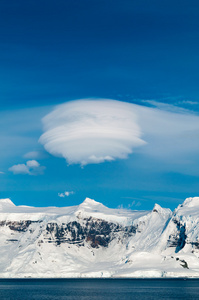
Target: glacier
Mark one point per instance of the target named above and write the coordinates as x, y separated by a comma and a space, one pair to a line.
91, 240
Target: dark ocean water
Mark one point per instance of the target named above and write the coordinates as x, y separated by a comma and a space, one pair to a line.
95, 289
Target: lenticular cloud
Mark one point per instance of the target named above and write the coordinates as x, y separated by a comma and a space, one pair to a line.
91, 131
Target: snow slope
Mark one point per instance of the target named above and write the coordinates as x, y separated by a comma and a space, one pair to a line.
91, 240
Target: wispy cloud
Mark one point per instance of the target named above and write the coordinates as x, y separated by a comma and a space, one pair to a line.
130, 205
34, 155
65, 194
167, 107
188, 102
2, 172
31, 167
91, 131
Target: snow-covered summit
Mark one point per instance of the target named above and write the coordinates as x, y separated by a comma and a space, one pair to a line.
191, 202
190, 207
91, 204
90, 207
160, 210
6, 204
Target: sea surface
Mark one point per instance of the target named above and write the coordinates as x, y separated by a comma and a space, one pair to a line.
95, 289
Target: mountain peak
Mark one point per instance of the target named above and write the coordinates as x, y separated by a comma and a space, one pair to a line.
6, 203
160, 210
91, 207
157, 208
90, 203
191, 202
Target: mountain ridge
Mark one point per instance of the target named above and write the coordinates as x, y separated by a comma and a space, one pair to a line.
92, 240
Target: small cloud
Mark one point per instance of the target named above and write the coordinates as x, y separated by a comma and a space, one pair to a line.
34, 155
32, 167
19, 169
32, 164
65, 194
61, 195
2, 172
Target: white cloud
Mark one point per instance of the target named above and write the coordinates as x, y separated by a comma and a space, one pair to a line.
19, 169
65, 194
32, 167
32, 164
2, 172
91, 131
94, 131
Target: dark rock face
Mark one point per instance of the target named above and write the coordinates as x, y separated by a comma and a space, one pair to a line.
183, 262
20, 226
97, 232
195, 245
179, 239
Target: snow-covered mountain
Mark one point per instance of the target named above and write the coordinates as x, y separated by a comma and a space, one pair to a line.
91, 240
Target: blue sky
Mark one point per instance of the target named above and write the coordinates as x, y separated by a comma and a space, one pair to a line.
141, 52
